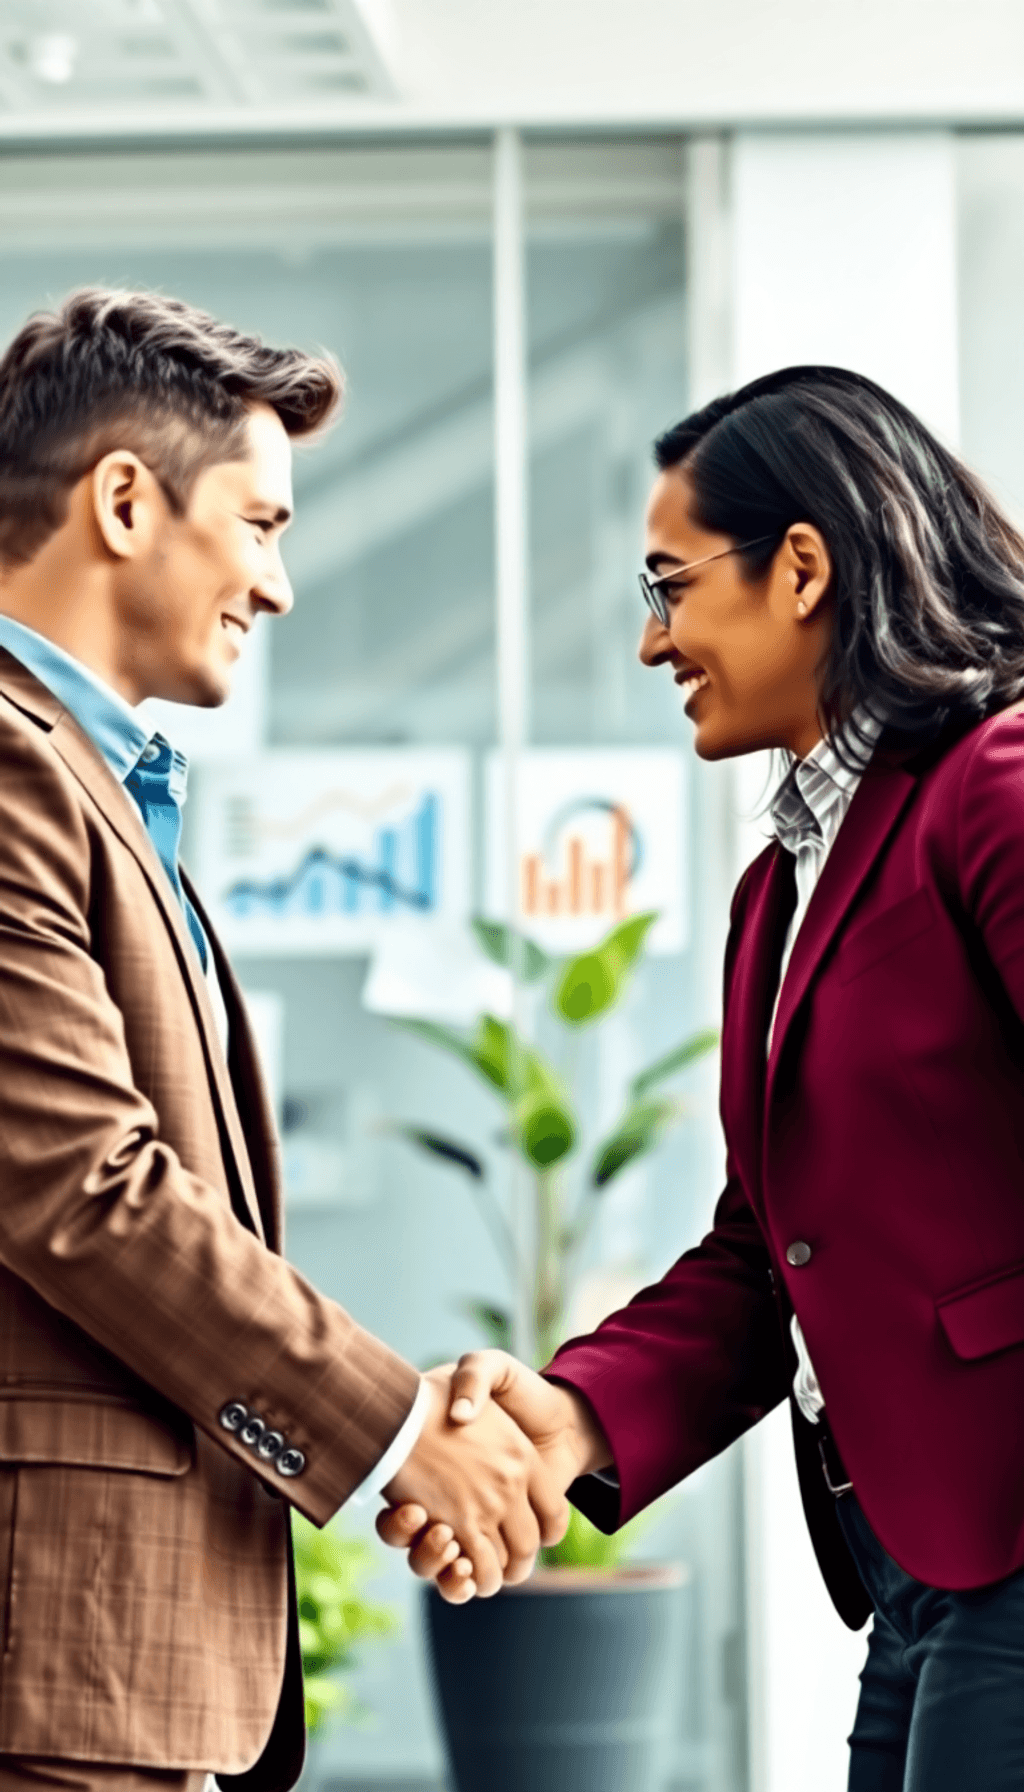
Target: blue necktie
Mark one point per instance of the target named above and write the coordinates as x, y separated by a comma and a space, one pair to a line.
150, 785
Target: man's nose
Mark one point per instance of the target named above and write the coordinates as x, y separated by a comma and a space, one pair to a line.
273, 591
655, 643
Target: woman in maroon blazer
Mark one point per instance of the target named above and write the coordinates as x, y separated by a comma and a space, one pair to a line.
826, 579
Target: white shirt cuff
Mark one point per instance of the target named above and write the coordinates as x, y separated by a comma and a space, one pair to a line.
397, 1453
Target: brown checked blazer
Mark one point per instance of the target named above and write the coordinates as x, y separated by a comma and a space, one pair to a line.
144, 1548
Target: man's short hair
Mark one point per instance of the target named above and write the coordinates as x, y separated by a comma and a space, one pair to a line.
136, 370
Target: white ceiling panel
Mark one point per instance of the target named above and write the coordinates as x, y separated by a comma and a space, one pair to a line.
76, 69
60, 56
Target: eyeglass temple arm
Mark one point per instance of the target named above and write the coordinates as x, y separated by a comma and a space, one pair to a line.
665, 578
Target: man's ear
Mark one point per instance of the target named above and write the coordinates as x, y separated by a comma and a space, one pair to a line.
807, 564
126, 503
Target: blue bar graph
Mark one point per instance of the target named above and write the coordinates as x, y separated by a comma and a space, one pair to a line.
401, 873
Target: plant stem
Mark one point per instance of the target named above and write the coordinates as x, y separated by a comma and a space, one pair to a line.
549, 1288
498, 1227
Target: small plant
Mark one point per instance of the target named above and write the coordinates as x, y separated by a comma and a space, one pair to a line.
584, 1546
541, 1125
333, 1617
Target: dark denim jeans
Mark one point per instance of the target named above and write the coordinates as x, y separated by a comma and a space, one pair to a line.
942, 1693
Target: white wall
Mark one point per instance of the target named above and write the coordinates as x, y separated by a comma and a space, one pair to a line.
844, 251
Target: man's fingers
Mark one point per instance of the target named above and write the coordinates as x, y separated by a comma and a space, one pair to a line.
488, 1561
399, 1526
434, 1550
456, 1584
474, 1378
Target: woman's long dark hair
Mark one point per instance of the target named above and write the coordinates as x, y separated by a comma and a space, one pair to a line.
929, 572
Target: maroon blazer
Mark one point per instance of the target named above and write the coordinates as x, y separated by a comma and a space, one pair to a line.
885, 1133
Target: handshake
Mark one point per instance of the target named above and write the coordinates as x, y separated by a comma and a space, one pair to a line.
485, 1485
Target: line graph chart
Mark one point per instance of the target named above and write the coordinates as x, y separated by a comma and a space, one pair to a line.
306, 852
401, 872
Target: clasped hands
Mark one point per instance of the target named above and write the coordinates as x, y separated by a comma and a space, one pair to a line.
485, 1486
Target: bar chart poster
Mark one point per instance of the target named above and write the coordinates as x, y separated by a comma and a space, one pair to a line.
600, 835
324, 852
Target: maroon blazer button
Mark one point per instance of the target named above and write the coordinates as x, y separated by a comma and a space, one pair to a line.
798, 1254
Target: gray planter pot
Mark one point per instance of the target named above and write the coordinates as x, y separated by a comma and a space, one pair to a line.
569, 1683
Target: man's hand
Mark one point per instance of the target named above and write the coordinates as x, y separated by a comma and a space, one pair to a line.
482, 1482
562, 1426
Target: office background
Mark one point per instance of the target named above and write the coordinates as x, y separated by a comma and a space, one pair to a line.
534, 234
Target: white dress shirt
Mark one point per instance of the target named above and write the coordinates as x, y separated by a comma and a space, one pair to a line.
808, 810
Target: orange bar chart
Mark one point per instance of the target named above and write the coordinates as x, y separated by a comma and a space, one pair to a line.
586, 884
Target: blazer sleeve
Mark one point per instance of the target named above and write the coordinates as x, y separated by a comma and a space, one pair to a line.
696, 1359
688, 1366
101, 1218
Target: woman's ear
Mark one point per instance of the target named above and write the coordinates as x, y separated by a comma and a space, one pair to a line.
808, 566
125, 500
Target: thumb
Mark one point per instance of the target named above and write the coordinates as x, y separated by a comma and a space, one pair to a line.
476, 1376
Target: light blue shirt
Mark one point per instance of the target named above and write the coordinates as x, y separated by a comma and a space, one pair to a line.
150, 771
110, 722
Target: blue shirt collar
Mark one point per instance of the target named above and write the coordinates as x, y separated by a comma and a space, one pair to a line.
111, 723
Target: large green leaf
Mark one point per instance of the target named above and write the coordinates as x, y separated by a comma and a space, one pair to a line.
641, 1127
448, 1150
593, 982
495, 1324
499, 1054
626, 941
691, 1049
447, 1039
514, 1067
545, 1126
494, 1050
587, 987
506, 947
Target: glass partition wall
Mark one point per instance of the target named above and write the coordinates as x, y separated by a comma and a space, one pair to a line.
383, 254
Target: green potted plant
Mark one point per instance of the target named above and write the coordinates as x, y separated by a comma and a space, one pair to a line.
334, 1618
565, 1683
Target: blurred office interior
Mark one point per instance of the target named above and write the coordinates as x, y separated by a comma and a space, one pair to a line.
535, 232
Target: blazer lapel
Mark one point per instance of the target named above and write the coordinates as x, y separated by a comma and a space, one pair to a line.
93, 773
879, 801
262, 1149
752, 983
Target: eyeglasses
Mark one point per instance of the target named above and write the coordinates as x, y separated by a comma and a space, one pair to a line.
653, 592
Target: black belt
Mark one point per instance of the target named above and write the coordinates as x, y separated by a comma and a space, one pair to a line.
833, 1468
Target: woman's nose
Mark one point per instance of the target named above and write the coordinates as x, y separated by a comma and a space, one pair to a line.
655, 643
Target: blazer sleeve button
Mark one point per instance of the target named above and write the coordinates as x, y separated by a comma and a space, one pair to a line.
233, 1415
290, 1463
252, 1430
798, 1254
270, 1445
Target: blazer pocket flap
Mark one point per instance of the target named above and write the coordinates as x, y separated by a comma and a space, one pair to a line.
90, 1434
894, 928
984, 1320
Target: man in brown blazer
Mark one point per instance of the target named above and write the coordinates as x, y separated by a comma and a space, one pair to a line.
168, 1384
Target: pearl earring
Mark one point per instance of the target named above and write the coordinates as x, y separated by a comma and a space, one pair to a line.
801, 608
